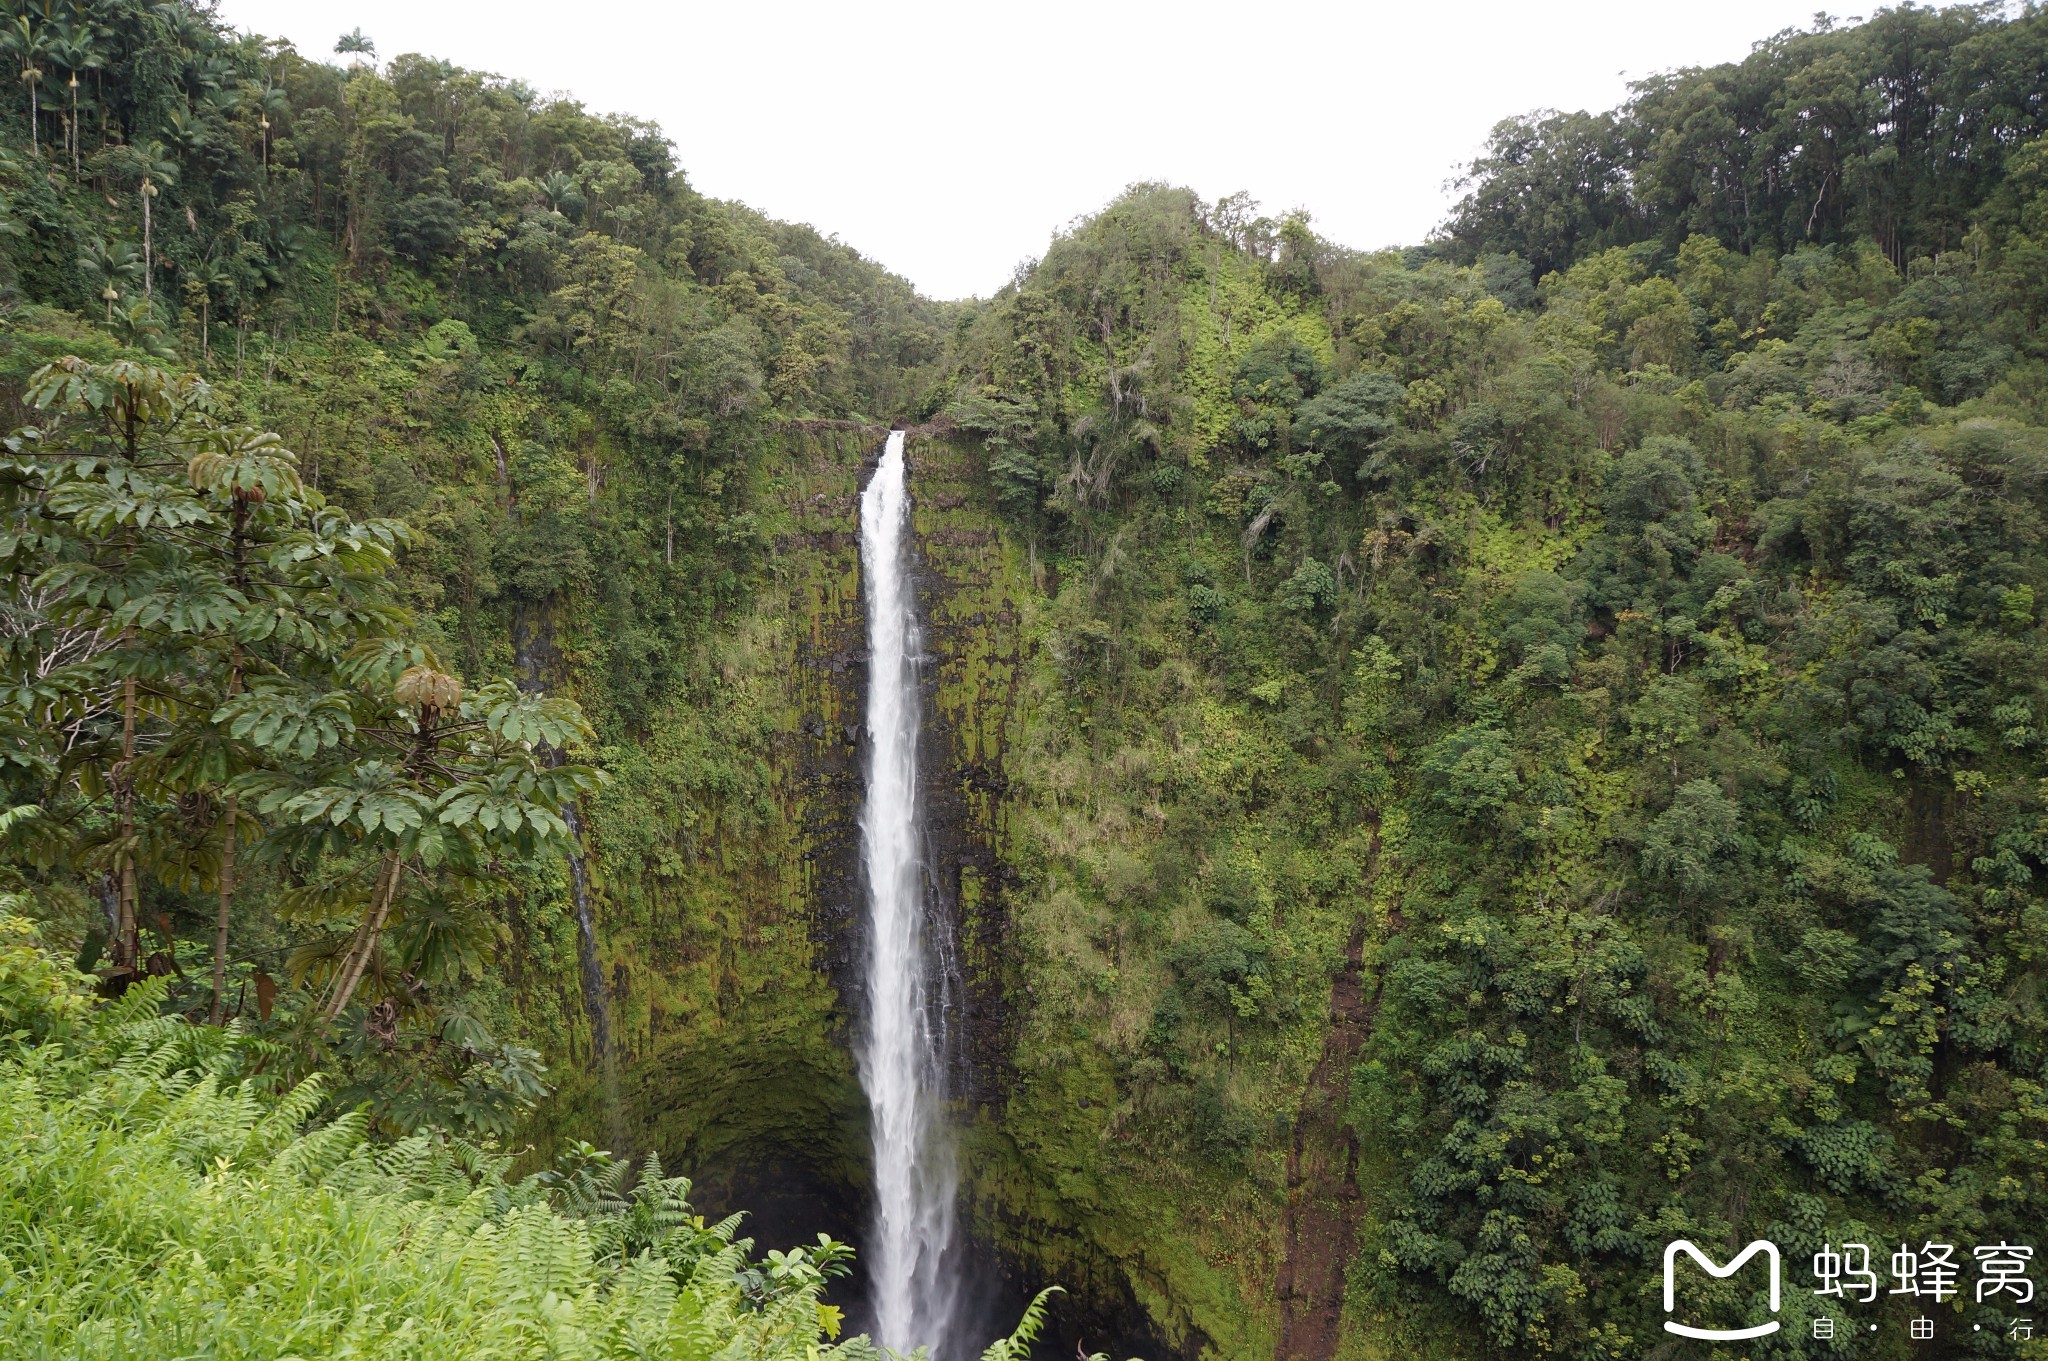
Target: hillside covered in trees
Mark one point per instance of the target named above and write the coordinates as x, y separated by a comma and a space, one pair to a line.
1458, 765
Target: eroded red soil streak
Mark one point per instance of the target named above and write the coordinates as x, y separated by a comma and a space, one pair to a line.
1322, 1178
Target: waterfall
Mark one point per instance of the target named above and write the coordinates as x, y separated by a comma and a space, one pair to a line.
902, 1059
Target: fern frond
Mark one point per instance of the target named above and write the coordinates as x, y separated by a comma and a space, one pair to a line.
293, 1109
144, 1000
1017, 1346
313, 1155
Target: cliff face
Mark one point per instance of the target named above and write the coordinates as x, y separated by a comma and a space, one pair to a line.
729, 909
1044, 1209
724, 868
974, 594
725, 878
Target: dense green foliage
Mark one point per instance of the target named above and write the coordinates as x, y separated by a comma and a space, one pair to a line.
1645, 659
524, 386
449, 402
1609, 636
212, 677
167, 1195
164, 1198
1901, 131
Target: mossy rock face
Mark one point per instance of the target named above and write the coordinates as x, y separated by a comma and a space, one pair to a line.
724, 868
766, 1120
1041, 1192
973, 595
730, 929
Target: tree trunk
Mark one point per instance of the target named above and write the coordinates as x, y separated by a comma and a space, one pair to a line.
238, 552
128, 946
366, 940
355, 943
220, 921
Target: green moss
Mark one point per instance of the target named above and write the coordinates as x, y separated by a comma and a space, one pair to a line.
709, 857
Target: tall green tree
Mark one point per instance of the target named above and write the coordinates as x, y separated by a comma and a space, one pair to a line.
246, 635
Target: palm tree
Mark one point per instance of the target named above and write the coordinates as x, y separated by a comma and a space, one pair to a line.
563, 193
73, 48
149, 163
213, 74
184, 132
210, 278
103, 35
25, 39
137, 327
284, 250
32, 76
356, 46
267, 101
71, 122
112, 267
148, 248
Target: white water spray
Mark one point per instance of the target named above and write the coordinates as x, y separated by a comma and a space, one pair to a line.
902, 1063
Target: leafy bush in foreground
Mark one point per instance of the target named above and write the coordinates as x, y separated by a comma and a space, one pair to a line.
162, 1199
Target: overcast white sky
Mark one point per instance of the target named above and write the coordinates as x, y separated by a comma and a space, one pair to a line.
951, 140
